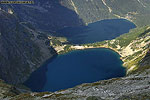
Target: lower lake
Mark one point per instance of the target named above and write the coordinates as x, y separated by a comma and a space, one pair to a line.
76, 67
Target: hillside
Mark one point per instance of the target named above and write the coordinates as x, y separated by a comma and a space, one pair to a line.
21, 49
47, 15
137, 11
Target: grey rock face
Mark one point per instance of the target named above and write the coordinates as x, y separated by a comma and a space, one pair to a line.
132, 87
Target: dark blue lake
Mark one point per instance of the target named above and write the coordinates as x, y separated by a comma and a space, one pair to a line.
77, 67
82, 66
98, 31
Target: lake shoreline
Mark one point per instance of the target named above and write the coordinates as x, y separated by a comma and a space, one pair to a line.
93, 64
77, 47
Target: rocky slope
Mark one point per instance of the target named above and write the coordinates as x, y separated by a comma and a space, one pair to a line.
133, 87
137, 11
47, 15
21, 51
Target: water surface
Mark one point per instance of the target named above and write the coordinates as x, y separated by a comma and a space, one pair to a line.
98, 31
77, 67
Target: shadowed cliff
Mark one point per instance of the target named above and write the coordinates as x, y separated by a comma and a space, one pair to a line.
21, 52
47, 15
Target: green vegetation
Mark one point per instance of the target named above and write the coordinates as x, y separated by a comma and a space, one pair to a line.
57, 41
141, 70
126, 39
133, 56
67, 48
96, 44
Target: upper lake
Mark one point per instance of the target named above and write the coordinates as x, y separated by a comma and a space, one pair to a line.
98, 31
